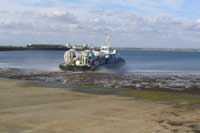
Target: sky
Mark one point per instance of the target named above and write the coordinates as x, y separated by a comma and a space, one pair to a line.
130, 23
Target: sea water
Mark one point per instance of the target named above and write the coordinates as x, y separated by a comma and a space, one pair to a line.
136, 60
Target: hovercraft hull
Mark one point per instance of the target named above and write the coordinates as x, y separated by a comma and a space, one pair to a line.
112, 64
108, 65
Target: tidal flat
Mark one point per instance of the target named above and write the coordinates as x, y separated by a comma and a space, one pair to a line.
180, 82
45, 102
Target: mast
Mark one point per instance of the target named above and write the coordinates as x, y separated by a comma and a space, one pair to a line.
107, 41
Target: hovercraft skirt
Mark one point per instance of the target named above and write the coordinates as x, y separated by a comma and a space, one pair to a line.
65, 67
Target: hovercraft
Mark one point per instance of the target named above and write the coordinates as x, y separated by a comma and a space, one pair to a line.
89, 59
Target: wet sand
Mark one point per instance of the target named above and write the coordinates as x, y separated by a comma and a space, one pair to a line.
189, 82
29, 108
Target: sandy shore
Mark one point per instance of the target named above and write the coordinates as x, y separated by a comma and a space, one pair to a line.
26, 108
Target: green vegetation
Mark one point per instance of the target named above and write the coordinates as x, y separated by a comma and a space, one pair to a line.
164, 96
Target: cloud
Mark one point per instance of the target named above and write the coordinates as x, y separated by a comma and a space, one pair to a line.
145, 24
198, 21
63, 17
49, 21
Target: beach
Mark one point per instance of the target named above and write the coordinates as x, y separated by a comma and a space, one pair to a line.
97, 66
26, 107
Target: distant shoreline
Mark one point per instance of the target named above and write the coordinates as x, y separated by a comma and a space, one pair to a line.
63, 47
35, 47
160, 49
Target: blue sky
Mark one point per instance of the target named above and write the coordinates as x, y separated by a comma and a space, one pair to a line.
130, 23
